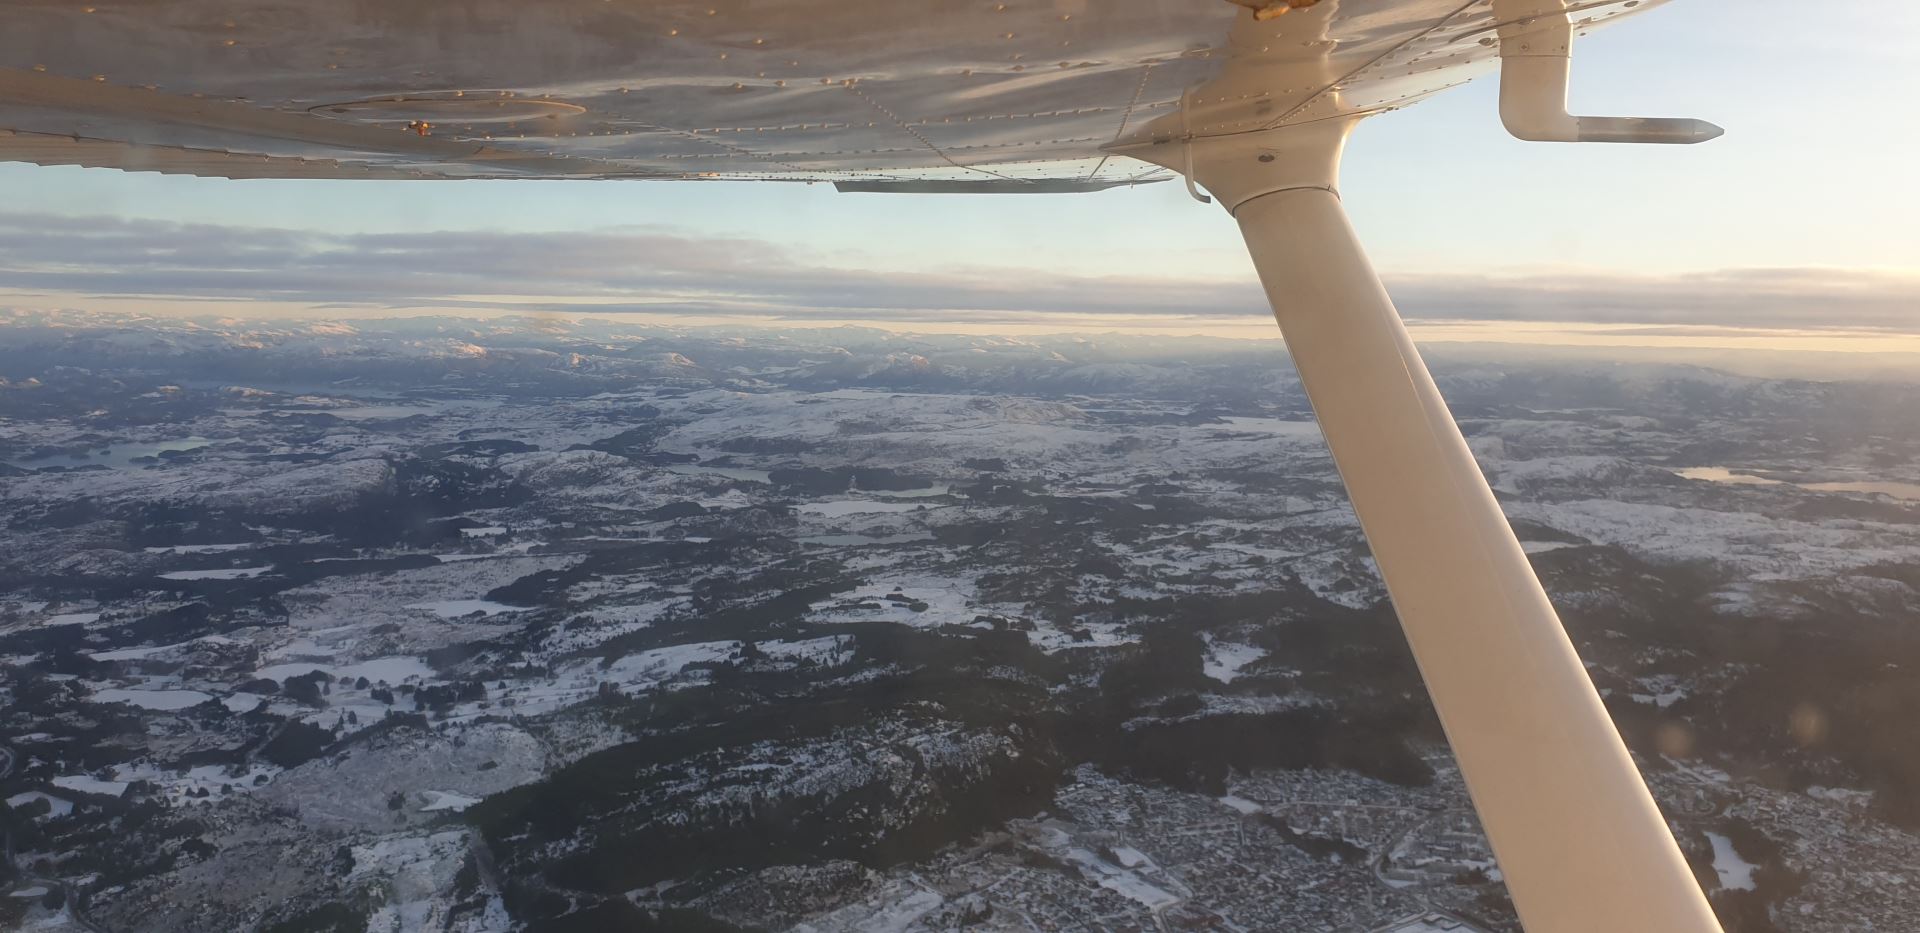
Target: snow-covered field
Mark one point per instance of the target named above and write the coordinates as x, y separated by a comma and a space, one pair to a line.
338, 619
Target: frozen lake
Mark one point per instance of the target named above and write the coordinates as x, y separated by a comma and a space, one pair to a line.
1715, 474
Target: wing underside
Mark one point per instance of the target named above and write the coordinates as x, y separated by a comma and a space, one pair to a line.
925, 94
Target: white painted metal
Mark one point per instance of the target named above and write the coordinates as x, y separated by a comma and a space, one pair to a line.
1579, 838
982, 93
1536, 58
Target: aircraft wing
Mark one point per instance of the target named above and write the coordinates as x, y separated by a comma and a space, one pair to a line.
879, 95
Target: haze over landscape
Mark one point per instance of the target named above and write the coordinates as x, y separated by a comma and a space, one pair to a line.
1800, 218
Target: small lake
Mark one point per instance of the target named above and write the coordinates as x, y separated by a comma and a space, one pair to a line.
741, 474
838, 508
863, 540
1714, 474
1910, 491
114, 456
386, 411
1724, 475
1307, 429
938, 489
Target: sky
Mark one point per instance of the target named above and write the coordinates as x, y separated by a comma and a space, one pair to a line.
1801, 218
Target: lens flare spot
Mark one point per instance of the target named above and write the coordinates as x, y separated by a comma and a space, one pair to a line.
1807, 724
1674, 740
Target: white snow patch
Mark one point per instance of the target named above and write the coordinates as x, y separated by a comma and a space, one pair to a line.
447, 800
927, 492
944, 601
153, 699
393, 670
1050, 639
1425, 923
840, 507
1121, 881
1735, 872
455, 608
82, 784
202, 785
134, 654
1225, 659
819, 650
416, 872
302, 647
1844, 795
739, 473
1541, 547
660, 664
1662, 690
57, 806
1714, 474
891, 911
1241, 804
1662, 700
1302, 429
242, 702
1133, 887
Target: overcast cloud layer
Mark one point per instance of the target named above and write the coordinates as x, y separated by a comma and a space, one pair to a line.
660, 270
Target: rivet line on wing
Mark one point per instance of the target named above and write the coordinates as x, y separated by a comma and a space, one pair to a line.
1139, 88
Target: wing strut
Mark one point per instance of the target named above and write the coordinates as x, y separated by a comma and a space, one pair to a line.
1580, 841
